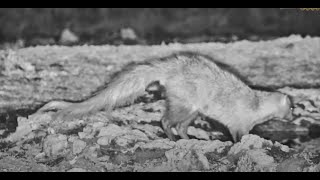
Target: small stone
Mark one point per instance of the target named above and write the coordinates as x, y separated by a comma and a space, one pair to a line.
72, 138
260, 157
82, 135
51, 131
97, 125
78, 146
128, 33
248, 142
87, 133
2, 132
93, 151
199, 133
68, 37
55, 144
283, 148
22, 131
123, 142
159, 144
203, 160
104, 158
111, 130
103, 141
40, 155
73, 161
292, 165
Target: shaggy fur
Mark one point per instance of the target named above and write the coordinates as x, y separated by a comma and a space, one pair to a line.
193, 85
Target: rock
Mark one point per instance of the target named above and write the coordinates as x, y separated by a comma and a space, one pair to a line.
40, 155
248, 142
158, 144
279, 130
72, 138
186, 160
151, 131
97, 125
15, 65
23, 130
78, 146
103, 141
191, 155
256, 160
121, 138
198, 133
93, 151
292, 165
128, 33
127, 140
111, 130
68, 37
104, 158
88, 133
315, 168
282, 147
204, 146
55, 144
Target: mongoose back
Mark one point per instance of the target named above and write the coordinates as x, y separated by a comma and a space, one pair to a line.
193, 85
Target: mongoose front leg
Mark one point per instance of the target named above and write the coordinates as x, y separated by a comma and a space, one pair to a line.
182, 126
167, 125
180, 120
237, 134
177, 116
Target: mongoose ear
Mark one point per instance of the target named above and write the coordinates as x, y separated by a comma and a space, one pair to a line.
285, 100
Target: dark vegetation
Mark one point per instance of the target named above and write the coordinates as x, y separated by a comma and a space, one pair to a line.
155, 25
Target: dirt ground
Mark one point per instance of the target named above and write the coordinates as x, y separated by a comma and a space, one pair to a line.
132, 138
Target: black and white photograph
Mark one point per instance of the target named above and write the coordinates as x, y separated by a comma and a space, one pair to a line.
159, 90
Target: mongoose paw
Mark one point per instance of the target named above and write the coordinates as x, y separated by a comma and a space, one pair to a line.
172, 137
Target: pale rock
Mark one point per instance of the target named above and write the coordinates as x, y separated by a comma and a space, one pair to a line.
128, 33
55, 144
248, 142
111, 130
68, 37
78, 146
103, 141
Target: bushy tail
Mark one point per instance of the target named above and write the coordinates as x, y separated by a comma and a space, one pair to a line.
124, 89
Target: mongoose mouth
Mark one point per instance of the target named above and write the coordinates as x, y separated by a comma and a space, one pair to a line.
289, 116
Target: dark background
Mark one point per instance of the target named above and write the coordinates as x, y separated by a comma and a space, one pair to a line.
155, 25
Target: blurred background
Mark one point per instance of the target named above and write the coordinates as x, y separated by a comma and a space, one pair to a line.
116, 26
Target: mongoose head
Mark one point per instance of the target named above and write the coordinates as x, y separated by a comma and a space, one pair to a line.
278, 106
266, 106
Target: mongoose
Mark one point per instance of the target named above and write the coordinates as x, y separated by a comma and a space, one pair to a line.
194, 85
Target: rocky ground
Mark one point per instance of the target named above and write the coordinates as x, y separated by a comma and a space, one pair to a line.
131, 139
